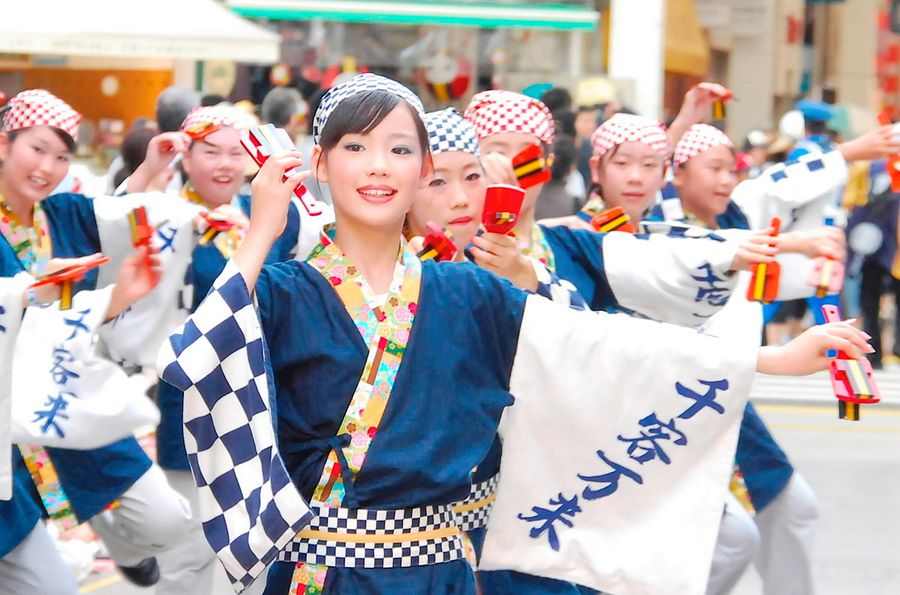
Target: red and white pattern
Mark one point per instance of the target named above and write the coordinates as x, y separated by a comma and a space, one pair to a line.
214, 117
495, 112
623, 128
38, 107
698, 139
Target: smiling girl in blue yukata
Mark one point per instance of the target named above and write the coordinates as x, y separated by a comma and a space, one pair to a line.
116, 487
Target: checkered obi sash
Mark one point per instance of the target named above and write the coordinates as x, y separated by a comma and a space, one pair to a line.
473, 512
361, 538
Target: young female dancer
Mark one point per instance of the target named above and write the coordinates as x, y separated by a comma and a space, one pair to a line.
39, 235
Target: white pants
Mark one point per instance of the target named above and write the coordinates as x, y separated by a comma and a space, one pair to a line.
736, 546
191, 566
35, 566
786, 527
778, 540
151, 517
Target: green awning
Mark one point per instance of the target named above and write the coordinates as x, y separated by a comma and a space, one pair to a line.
489, 15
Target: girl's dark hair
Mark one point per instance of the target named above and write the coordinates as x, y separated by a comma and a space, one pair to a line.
563, 156
361, 113
63, 136
133, 151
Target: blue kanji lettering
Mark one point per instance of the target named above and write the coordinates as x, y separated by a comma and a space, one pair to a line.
58, 371
646, 447
562, 507
2, 312
709, 292
55, 408
167, 241
611, 479
78, 325
704, 401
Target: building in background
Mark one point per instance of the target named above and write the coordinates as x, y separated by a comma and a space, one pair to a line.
110, 59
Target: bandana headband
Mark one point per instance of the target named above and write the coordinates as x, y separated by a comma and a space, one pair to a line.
361, 84
699, 139
623, 128
495, 112
37, 107
203, 121
448, 131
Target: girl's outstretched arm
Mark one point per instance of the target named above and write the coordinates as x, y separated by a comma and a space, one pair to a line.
807, 353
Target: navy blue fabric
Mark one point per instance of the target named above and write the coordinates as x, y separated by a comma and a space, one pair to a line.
578, 255
442, 416
19, 514
206, 266
733, 218
765, 467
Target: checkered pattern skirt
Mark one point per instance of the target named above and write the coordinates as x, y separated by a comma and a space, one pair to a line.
361, 538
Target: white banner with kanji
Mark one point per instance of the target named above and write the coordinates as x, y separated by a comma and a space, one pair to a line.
617, 451
64, 393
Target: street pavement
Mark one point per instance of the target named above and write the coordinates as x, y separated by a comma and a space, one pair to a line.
854, 468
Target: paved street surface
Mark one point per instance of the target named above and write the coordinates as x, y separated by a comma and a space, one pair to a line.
854, 467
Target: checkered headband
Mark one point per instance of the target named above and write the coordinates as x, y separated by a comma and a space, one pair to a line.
623, 128
206, 119
37, 107
495, 112
361, 84
699, 138
448, 131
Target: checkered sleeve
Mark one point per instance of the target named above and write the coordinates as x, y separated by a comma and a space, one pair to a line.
249, 508
555, 289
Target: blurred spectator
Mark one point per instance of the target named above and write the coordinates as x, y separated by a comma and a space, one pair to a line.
756, 146
133, 152
815, 120
557, 99
586, 122
555, 199
285, 108
212, 99
873, 257
173, 106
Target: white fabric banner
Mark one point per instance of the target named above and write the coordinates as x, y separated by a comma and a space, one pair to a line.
65, 394
617, 452
680, 276
12, 289
136, 335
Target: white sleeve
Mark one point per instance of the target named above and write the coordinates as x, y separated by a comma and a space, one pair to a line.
617, 451
135, 336
783, 189
679, 280
67, 395
12, 290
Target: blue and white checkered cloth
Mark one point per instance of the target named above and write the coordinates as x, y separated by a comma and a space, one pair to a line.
249, 507
556, 289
